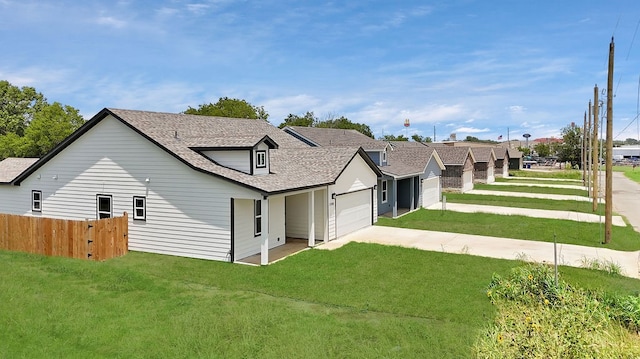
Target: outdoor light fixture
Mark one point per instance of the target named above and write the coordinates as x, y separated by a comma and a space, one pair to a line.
333, 196
147, 179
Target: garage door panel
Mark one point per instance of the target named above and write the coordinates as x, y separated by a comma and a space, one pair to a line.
430, 191
353, 211
467, 181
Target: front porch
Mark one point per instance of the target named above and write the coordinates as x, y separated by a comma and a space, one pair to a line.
291, 247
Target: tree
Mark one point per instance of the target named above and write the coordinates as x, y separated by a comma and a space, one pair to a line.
571, 150
344, 123
542, 149
29, 126
394, 138
17, 107
525, 151
472, 139
416, 137
631, 141
308, 120
229, 107
49, 127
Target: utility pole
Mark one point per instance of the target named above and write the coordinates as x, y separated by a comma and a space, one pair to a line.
583, 157
589, 145
594, 156
608, 199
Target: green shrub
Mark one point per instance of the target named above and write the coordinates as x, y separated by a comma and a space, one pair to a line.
539, 319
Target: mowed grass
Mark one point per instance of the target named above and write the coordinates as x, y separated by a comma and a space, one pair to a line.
564, 174
360, 301
522, 202
538, 181
518, 227
531, 189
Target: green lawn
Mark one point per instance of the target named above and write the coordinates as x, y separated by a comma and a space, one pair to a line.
361, 301
565, 174
531, 189
519, 227
629, 171
522, 202
532, 180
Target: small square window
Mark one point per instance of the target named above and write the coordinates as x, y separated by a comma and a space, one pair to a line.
104, 208
36, 201
261, 159
257, 211
140, 208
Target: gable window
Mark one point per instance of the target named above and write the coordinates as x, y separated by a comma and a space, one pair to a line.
140, 208
257, 217
261, 159
384, 157
104, 207
384, 192
36, 201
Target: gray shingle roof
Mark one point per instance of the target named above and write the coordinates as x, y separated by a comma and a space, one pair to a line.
415, 158
337, 137
11, 167
453, 156
483, 154
294, 165
514, 153
398, 144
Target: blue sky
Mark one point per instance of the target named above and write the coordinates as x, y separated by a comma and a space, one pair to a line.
467, 67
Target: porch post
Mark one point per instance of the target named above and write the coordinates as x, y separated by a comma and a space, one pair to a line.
412, 194
264, 237
394, 190
311, 223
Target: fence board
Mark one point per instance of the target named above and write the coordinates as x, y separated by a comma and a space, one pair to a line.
67, 238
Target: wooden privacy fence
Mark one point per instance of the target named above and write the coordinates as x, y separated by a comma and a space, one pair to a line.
89, 239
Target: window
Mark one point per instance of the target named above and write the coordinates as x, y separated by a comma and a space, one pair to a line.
261, 159
257, 211
36, 201
384, 157
139, 208
384, 191
104, 208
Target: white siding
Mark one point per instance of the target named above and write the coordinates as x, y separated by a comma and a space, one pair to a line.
297, 214
245, 243
188, 212
236, 159
276, 228
357, 176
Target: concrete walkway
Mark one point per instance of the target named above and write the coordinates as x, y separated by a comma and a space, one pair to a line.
494, 247
626, 199
529, 212
530, 195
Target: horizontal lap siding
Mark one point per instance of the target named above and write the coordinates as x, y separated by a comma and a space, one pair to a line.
188, 212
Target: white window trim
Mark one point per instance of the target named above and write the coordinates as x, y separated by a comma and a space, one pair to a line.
384, 192
257, 218
98, 212
261, 159
36, 204
384, 156
142, 217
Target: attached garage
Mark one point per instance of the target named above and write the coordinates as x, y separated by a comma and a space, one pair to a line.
430, 191
354, 210
467, 181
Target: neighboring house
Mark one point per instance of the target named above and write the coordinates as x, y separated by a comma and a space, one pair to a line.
400, 189
515, 159
502, 161
431, 166
458, 174
197, 186
484, 167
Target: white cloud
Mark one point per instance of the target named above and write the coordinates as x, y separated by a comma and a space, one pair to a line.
471, 130
198, 9
111, 21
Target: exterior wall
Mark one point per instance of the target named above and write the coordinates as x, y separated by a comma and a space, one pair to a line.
452, 178
236, 159
480, 172
188, 212
297, 215
375, 157
405, 193
387, 206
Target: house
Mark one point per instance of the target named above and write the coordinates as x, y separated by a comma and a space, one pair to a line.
459, 167
484, 167
400, 190
197, 186
515, 159
502, 161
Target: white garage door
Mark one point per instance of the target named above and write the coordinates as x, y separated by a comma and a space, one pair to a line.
430, 191
467, 181
491, 175
353, 211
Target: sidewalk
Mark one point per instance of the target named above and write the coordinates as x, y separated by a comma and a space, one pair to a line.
529, 212
547, 185
530, 195
493, 247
